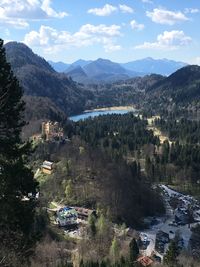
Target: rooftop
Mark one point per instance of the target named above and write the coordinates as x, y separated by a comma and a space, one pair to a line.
145, 261
66, 212
49, 163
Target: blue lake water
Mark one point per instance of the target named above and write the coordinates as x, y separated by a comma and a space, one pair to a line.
92, 114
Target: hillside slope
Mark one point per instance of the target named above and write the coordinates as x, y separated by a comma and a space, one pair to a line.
183, 86
77, 74
179, 93
39, 79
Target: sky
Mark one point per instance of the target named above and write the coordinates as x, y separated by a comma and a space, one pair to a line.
119, 30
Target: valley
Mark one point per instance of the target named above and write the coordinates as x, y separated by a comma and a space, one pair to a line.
116, 159
152, 229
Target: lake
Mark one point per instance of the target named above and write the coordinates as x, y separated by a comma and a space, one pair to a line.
95, 113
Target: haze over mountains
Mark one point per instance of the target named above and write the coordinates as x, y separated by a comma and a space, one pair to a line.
104, 70
158, 66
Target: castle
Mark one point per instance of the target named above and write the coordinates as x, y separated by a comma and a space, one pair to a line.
52, 130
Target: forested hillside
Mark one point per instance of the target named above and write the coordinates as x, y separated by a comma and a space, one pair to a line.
86, 176
113, 174
181, 89
92, 169
38, 79
128, 92
179, 162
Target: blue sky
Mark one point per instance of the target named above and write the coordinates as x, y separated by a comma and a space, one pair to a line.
66, 30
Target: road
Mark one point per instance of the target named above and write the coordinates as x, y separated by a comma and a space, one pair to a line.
164, 222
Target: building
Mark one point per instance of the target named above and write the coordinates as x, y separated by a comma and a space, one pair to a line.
144, 261
162, 239
66, 216
47, 167
162, 236
182, 216
84, 213
52, 130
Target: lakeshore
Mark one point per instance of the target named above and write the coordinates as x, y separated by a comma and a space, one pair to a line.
102, 111
129, 108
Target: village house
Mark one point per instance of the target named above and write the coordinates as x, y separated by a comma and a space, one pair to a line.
162, 239
145, 261
52, 130
47, 167
66, 216
182, 216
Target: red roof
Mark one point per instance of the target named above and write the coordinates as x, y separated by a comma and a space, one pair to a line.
145, 261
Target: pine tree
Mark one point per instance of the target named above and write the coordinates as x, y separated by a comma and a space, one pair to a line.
114, 250
16, 179
92, 224
133, 250
101, 225
171, 255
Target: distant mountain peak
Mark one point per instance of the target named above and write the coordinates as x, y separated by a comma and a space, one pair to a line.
102, 60
158, 66
76, 69
59, 66
81, 62
104, 69
77, 74
149, 58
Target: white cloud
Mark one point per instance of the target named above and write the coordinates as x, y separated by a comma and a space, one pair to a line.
108, 9
126, 9
163, 16
136, 26
7, 32
52, 40
15, 23
110, 47
104, 11
46, 6
167, 41
191, 10
195, 61
17, 13
8, 41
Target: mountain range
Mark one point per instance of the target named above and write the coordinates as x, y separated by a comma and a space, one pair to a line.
104, 70
163, 66
53, 95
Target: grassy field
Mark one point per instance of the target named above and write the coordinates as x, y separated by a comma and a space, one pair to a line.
155, 130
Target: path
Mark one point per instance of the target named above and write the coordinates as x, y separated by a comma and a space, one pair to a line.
155, 130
